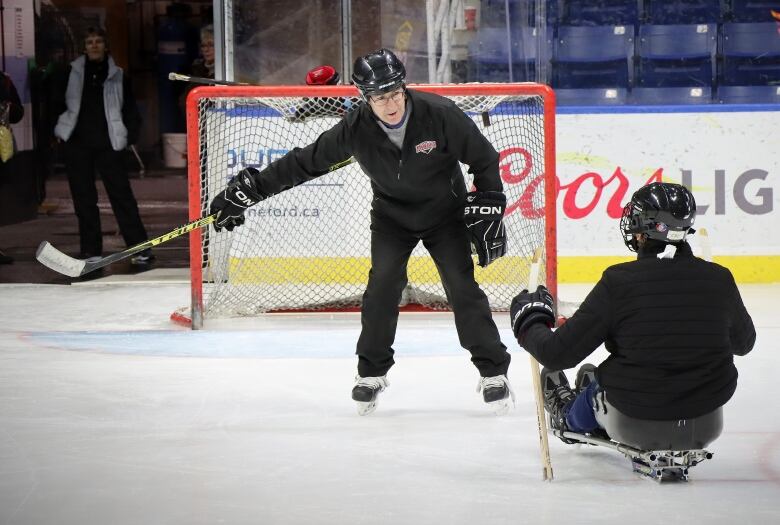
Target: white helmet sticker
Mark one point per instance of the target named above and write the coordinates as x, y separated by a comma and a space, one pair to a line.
675, 235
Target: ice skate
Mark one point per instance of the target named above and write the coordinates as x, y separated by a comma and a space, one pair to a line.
366, 392
497, 393
557, 394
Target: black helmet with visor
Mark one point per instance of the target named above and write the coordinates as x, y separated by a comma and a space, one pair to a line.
377, 73
663, 211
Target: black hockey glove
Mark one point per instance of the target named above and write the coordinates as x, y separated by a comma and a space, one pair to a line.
528, 308
230, 203
484, 220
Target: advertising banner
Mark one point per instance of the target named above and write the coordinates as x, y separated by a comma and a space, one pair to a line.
727, 159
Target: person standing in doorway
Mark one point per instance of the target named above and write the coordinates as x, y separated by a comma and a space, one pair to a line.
100, 120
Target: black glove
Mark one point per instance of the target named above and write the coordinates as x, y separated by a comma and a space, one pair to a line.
484, 219
528, 308
230, 203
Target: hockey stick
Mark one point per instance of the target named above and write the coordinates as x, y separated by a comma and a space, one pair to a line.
54, 259
203, 80
51, 257
541, 419
704, 243
343, 163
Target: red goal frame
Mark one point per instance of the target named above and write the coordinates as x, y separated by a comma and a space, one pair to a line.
476, 89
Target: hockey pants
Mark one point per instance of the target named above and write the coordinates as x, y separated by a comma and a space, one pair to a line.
448, 245
81, 164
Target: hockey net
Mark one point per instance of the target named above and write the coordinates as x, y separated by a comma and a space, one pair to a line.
308, 248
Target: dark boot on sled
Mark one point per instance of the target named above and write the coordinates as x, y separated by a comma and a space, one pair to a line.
558, 395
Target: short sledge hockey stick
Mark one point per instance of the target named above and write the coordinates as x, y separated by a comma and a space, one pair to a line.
541, 419
52, 258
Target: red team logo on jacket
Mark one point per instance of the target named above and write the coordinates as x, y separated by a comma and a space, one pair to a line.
425, 147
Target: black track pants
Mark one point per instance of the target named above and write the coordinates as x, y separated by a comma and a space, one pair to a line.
81, 164
448, 245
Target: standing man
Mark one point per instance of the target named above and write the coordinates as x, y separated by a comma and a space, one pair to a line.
11, 112
671, 322
100, 120
409, 144
204, 66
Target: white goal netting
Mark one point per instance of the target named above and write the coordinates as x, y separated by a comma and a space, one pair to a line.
308, 248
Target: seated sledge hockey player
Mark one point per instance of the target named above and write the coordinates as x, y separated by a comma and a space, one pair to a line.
671, 322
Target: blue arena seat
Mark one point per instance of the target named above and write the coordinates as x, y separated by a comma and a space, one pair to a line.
676, 55
600, 12
493, 13
753, 10
591, 57
518, 13
534, 50
490, 58
748, 95
751, 53
683, 11
553, 12
591, 97
670, 96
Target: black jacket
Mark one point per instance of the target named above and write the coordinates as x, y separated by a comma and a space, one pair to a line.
9, 95
671, 327
418, 187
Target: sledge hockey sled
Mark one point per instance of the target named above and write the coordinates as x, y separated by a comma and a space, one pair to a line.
659, 465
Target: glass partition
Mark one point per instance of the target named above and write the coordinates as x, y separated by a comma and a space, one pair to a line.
594, 52
277, 42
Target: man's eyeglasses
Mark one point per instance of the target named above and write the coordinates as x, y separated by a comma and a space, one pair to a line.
382, 100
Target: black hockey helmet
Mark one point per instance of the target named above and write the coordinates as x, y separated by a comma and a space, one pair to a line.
663, 211
378, 72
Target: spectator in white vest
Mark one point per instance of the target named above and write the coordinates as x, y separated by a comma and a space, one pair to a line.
100, 120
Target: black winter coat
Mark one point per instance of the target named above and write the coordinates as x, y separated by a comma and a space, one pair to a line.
671, 327
418, 187
9, 94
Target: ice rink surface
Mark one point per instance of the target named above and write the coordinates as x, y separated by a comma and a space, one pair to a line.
110, 414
